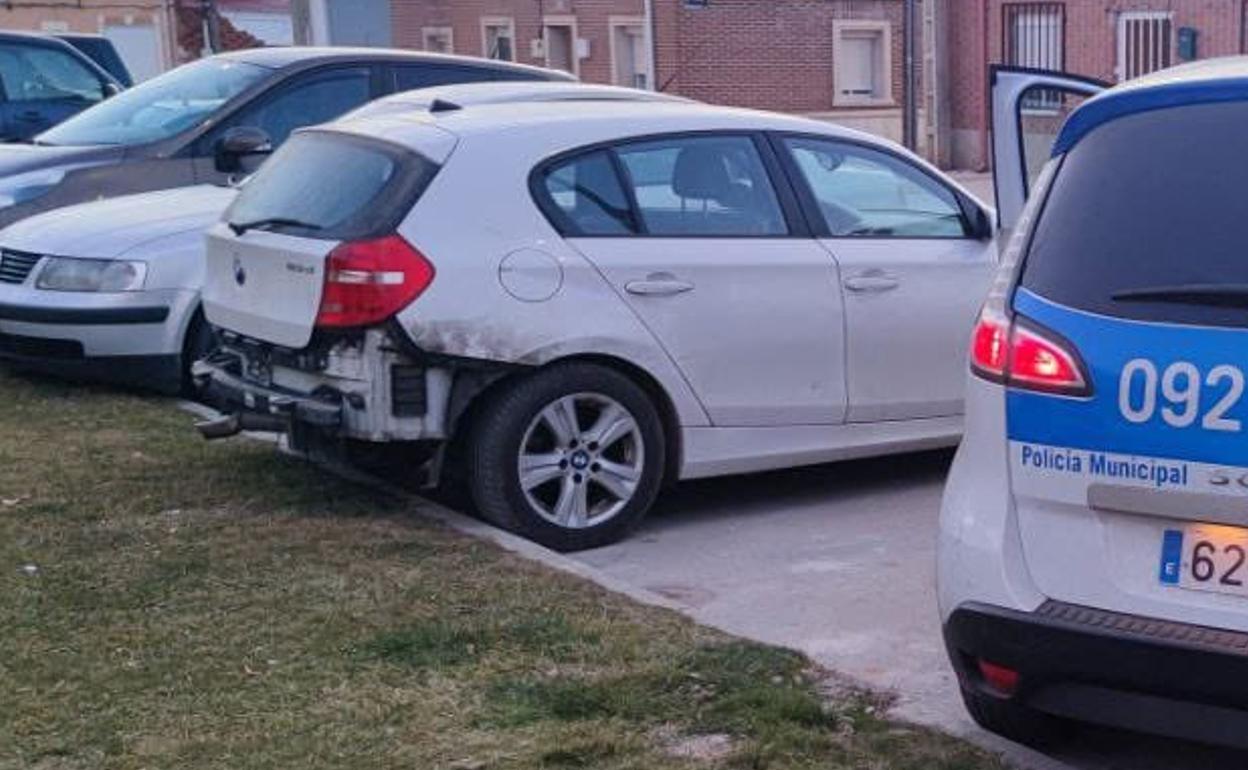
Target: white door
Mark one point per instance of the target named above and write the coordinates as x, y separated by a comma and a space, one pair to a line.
631, 66
915, 257
560, 48
1145, 43
139, 47
700, 248
1028, 110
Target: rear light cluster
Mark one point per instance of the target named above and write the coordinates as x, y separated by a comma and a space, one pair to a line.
1021, 354
1002, 680
366, 282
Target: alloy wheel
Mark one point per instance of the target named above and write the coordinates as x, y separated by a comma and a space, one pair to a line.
581, 460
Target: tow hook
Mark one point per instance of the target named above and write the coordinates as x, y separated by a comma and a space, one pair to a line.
232, 424
219, 427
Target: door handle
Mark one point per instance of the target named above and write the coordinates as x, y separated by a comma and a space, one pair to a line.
872, 282
658, 286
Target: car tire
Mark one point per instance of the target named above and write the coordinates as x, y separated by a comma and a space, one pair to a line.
200, 340
593, 447
1013, 720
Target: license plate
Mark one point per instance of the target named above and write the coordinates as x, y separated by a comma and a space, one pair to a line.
1206, 557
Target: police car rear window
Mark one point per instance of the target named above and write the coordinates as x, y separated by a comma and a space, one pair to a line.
1148, 219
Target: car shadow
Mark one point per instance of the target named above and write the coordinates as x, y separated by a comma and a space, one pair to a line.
760, 493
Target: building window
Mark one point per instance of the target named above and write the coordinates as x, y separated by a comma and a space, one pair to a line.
1034, 35
862, 55
630, 59
438, 39
498, 37
1145, 43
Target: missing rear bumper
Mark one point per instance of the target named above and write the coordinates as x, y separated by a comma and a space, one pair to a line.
251, 406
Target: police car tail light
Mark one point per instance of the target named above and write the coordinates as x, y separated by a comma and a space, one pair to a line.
1001, 679
366, 282
1041, 360
1019, 353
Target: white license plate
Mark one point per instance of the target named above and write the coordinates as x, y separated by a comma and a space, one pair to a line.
1206, 557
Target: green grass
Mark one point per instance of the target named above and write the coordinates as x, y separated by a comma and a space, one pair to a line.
169, 603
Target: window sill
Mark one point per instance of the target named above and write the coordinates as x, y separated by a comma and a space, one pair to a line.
871, 102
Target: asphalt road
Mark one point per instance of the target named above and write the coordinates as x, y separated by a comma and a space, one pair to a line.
837, 561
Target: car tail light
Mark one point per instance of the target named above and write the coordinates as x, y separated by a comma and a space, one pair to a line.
1021, 354
1001, 679
366, 282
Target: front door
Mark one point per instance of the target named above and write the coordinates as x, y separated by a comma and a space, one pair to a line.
916, 256
1028, 109
699, 245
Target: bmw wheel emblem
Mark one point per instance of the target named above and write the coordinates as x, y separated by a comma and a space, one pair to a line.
240, 275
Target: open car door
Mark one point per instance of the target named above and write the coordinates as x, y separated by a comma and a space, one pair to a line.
1029, 107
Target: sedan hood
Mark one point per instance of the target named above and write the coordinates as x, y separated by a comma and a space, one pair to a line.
20, 158
107, 229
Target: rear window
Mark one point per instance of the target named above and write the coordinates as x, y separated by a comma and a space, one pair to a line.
333, 186
1147, 219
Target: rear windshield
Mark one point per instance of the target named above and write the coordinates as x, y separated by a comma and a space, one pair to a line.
1148, 219
332, 186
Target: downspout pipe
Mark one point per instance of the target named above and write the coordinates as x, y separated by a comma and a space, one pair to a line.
652, 82
984, 139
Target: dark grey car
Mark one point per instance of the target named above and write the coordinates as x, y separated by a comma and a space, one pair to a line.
215, 118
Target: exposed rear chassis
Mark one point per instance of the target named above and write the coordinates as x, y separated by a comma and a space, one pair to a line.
250, 406
371, 385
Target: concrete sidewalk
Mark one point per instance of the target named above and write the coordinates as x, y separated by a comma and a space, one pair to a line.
838, 561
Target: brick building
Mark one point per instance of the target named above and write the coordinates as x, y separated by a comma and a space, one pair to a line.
835, 59
839, 60
1112, 40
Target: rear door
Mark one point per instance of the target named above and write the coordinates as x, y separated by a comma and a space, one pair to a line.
1028, 109
915, 258
700, 240
1133, 495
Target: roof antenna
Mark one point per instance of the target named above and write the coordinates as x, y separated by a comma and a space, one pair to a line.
442, 105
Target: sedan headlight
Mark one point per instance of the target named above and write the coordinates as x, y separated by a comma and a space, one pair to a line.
65, 274
20, 188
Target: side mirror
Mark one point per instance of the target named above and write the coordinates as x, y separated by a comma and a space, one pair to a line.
239, 142
985, 224
980, 221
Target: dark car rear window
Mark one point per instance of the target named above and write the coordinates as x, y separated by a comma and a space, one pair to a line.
1148, 219
334, 186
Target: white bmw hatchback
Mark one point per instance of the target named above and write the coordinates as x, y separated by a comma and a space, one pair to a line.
578, 302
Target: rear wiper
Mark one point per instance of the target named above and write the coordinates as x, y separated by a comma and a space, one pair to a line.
1212, 294
241, 227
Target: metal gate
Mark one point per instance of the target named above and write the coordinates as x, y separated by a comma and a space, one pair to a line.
1145, 43
1034, 35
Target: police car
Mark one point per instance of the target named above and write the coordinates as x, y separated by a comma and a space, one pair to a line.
1093, 560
